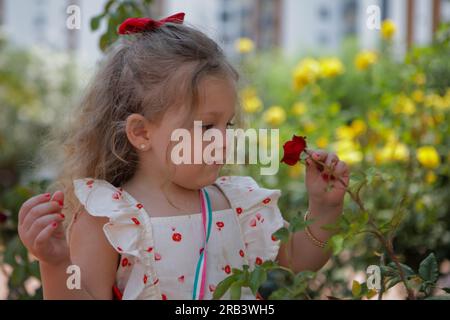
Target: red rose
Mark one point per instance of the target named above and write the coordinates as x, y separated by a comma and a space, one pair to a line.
293, 149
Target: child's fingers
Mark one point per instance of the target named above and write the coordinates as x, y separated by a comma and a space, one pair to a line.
58, 196
30, 204
342, 171
319, 155
44, 235
40, 210
39, 224
331, 160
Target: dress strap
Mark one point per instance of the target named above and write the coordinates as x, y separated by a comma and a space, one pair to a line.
200, 272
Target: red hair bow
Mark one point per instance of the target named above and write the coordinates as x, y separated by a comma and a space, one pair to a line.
138, 25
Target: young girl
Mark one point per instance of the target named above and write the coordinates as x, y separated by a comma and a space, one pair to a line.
141, 227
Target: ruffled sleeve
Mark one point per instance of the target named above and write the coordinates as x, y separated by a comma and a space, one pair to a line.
258, 215
128, 231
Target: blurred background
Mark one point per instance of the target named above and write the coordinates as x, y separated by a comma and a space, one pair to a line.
367, 79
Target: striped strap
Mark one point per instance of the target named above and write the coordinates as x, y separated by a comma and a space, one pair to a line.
200, 272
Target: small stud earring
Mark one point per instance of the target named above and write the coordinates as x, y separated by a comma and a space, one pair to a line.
142, 146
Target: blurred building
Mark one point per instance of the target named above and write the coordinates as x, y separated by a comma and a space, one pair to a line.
297, 26
43, 23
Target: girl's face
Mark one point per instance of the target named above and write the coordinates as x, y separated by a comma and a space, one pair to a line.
216, 109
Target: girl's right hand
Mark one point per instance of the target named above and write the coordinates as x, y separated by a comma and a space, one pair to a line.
40, 228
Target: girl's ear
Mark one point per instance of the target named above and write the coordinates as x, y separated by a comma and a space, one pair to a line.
138, 130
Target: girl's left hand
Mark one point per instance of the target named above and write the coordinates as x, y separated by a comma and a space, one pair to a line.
317, 179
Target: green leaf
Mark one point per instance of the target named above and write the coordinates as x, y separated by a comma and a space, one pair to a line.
297, 224
407, 270
438, 298
223, 286
268, 264
428, 268
95, 22
18, 276
33, 269
257, 278
336, 243
235, 290
11, 251
280, 294
108, 5
104, 41
356, 289
282, 234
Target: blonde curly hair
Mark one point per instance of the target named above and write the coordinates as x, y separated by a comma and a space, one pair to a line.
143, 73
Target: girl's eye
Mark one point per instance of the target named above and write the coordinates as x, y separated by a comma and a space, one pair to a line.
210, 126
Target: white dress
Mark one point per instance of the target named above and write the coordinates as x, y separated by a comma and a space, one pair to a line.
159, 254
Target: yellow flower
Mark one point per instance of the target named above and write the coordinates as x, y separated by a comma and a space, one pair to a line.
392, 151
436, 101
252, 104
365, 59
334, 108
322, 142
348, 151
295, 171
331, 67
350, 132
244, 45
428, 157
298, 109
309, 127
373, 116
275, 116
388, 29
358, 126
431, 177
405, 105
420, 79
306, 72
345, 133
418, 96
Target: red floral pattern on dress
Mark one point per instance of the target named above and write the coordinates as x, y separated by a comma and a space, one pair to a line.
163, 296
116, 196
176, 237
219, 225
258, 261
201, 250
157, 256
212, 288
266, 200
139, 206
149, 249
156, 281
273, 238
136, 221
124, 262
227, 269
145, 279
253, 223
181, 278
119, 249
239, 210
241, 253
